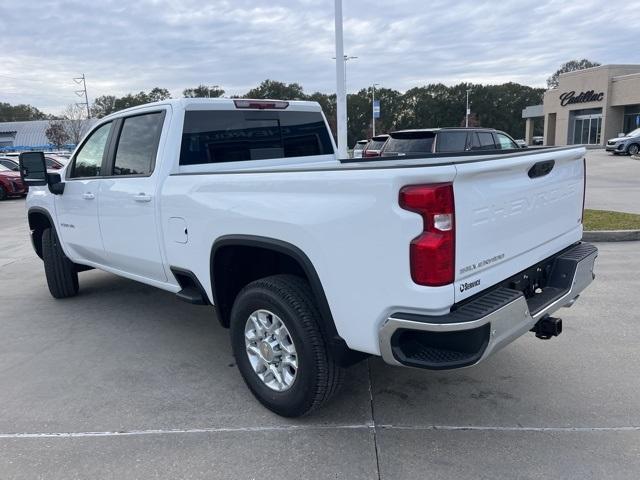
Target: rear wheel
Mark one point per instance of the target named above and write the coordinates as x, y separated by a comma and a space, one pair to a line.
3, 193
633, 149
279, 347
61, 273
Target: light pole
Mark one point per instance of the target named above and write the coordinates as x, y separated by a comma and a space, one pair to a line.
341, 95
466, 118
373, 108
346, 59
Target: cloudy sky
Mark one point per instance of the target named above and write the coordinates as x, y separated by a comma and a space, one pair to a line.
126, 46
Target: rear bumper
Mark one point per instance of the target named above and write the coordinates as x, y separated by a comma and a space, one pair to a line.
475, 329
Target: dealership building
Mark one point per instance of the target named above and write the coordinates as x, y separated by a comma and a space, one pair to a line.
589, 106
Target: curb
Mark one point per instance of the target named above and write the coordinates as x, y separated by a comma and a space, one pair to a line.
611, 235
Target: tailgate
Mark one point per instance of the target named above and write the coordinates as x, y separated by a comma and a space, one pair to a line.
514, 211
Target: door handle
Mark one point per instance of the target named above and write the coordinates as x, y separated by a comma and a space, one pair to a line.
141, 197
88, 196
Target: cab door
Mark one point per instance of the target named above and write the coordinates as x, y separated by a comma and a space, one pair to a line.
77, 207
128, 202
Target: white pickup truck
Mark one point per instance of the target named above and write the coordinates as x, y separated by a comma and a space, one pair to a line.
433, 261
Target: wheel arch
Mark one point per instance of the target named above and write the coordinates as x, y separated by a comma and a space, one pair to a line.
39, 220
274, 256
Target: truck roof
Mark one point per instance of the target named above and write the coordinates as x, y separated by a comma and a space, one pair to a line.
222, 104
439, 129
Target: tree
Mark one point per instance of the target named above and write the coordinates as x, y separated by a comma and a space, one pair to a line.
56, 133
103, 106
157, 95
570, 66
277, 90
20, 113
203, 91
107, 104
474, 121
75, 122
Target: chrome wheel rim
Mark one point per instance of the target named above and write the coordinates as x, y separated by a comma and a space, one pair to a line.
271, 351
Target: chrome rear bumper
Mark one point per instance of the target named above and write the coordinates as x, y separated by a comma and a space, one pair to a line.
476, 329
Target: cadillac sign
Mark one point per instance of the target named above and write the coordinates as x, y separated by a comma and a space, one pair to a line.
568, 98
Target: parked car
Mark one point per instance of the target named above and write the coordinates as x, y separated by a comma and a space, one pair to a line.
359, 147
55, 162
628, 144
374, 147
446, 140
10, 164
537, 140
11, 185
521, 143
316, 262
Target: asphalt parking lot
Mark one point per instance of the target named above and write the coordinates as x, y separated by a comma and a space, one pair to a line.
124, 381
613, 182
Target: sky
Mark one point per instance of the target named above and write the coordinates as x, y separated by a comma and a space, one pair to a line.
127, 46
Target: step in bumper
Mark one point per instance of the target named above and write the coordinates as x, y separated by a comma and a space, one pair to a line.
477, 328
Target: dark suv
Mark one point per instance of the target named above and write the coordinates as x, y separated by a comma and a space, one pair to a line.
447, 140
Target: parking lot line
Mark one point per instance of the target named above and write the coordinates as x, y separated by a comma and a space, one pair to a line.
509, 429
288, 428
125, 433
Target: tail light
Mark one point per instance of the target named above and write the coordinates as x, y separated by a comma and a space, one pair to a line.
432, 253
371, 153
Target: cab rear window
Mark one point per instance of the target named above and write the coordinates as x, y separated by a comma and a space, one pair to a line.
233, 136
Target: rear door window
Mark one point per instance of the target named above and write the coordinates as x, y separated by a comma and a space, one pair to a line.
410, 143
473, 143
486, 141
451, 141
138, 144
232, 136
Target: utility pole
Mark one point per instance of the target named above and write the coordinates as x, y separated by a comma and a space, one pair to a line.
82, 81
466, 118
341, 95
373, 108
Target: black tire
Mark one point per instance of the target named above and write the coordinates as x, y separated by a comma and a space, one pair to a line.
318, 376
3, 194
61, 273
633, 149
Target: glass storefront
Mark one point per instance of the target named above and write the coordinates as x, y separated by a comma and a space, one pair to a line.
587, 129
631, 118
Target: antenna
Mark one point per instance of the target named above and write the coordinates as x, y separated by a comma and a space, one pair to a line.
83, 93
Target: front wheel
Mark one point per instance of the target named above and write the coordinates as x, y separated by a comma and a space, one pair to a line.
633, 149
61, 273
279, 347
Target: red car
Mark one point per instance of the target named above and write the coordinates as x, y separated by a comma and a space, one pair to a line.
11, 184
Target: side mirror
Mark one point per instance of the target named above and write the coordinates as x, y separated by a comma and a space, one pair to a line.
33, 168
33, 171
